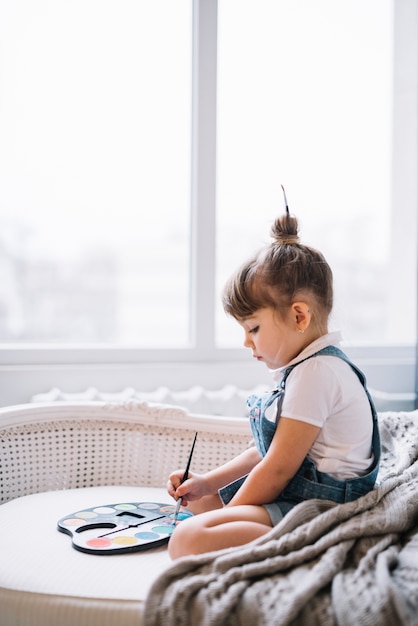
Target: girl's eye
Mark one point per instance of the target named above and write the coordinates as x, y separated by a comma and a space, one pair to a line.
254, 330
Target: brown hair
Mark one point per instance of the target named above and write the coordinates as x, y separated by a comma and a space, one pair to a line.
280, 274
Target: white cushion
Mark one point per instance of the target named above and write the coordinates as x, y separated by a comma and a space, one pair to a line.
45, 581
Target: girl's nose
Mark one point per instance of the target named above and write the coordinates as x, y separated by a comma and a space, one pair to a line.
247, 341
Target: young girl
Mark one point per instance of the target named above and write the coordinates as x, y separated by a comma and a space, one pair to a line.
315, 435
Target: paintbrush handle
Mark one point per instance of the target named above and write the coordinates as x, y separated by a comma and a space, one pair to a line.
189, 460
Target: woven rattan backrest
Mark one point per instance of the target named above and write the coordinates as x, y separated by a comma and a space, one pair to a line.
65, 445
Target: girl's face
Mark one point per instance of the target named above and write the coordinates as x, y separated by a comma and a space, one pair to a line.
273, 340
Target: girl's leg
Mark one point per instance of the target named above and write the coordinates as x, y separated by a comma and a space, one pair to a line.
215, 530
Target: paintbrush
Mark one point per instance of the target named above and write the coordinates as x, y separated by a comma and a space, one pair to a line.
184, 477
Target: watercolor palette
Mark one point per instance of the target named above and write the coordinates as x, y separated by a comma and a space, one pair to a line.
121, 527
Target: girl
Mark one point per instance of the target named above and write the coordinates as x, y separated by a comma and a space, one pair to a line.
315, 435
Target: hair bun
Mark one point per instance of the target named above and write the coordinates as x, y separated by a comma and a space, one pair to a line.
285, 230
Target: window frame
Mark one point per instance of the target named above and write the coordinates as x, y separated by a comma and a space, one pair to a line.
28, 369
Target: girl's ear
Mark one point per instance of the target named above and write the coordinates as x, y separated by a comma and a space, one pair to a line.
302, 315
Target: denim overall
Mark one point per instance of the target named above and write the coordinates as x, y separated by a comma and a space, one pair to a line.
308, 482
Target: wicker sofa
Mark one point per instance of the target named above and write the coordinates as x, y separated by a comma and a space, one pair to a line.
59, 457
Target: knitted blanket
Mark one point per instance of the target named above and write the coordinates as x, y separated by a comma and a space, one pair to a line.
323, 564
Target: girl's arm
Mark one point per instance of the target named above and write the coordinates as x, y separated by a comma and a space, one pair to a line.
199, 485
241, 465
291, 443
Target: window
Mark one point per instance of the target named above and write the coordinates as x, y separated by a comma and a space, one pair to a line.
305, 99
95, 171
142, 149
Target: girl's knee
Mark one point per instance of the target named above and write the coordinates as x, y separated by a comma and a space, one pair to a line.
185, 539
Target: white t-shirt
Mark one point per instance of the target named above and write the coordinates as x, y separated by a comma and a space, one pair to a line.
326, 392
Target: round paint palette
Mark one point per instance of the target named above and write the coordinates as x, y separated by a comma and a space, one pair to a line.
121, 527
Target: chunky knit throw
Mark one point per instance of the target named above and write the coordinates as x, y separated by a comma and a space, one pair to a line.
322, 565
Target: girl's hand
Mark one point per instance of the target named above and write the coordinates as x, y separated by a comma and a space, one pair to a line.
193, 488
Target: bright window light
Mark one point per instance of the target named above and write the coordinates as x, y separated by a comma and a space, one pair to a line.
305, 100
95, 142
